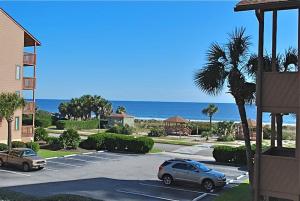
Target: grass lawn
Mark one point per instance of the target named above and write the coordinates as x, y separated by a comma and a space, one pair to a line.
45, 153
14, 196
175, 142
155, 150
239, 193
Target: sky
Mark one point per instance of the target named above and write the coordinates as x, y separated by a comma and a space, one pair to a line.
144, 51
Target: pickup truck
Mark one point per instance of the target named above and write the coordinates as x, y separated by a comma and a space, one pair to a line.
24, 158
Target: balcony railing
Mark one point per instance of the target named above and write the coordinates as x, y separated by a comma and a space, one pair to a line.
29, 108
28, 83
29, 59
27, 131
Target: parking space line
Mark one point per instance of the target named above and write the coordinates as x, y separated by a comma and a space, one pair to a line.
50, 169
174, 188
70, 155
145, 195
75, 159
200, 197
101, 157
13, 172
65, 164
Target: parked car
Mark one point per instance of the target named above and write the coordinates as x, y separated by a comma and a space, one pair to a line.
24, 158
190, 171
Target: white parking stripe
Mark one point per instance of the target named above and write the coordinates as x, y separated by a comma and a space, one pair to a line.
145, 195
65, 164
174, 188
241, 176
70, 155
50, 169
101, 157
200, 197
13, 172
75, 159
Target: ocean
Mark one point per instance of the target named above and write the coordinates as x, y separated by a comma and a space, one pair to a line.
163, 110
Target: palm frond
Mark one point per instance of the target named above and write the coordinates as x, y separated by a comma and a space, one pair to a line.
238, 46
290, 60
216, 53
211, 78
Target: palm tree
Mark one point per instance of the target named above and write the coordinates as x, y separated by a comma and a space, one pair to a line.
9, 103
210, 111
121, 110
227, 65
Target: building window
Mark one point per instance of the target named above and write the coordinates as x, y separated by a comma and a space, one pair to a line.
17, 123
18, 72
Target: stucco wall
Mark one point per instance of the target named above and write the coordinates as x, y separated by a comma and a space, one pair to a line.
11, 54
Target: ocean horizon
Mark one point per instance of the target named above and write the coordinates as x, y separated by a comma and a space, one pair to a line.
162, 110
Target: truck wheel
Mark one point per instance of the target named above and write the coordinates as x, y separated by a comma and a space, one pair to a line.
1, 163
26, 167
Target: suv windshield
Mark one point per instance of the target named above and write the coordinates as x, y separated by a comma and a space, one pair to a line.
202, 167
29, 153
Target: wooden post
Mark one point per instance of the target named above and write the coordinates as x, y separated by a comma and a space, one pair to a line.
33, 91
273, 130
260, 17
274, 58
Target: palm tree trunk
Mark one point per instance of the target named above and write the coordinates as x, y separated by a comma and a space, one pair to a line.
246, 132
279, 122
210, 117
9, 137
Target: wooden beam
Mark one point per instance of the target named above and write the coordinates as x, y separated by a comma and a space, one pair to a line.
274, 41
260, 17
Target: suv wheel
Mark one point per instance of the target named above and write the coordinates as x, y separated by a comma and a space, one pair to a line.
1, 163
26, 167
167, 179
208, 185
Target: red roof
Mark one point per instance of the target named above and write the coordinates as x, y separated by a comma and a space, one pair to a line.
176, 119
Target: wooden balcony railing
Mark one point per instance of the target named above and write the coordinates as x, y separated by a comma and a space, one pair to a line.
29, 108
27, 131
28, 83
29, 59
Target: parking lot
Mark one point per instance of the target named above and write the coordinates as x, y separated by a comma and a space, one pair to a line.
109, 176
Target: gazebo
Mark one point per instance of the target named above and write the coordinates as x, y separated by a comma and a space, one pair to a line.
277, 172
177, 126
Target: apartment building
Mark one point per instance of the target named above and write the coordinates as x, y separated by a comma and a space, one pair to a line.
14, 62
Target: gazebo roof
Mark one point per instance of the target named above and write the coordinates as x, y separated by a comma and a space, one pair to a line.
267, 5
176, 119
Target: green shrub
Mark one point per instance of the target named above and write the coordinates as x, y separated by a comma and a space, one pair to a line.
234, 155
69, 139
201, 126
43, 119
53, 143
93, 142
18, 144
33, 145
226, 138
288, 135
118, 142
157, 132
77, 125
40, 134
127, 130
3, 147
267, 133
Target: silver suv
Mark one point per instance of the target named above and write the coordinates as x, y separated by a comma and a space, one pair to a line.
190, 171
